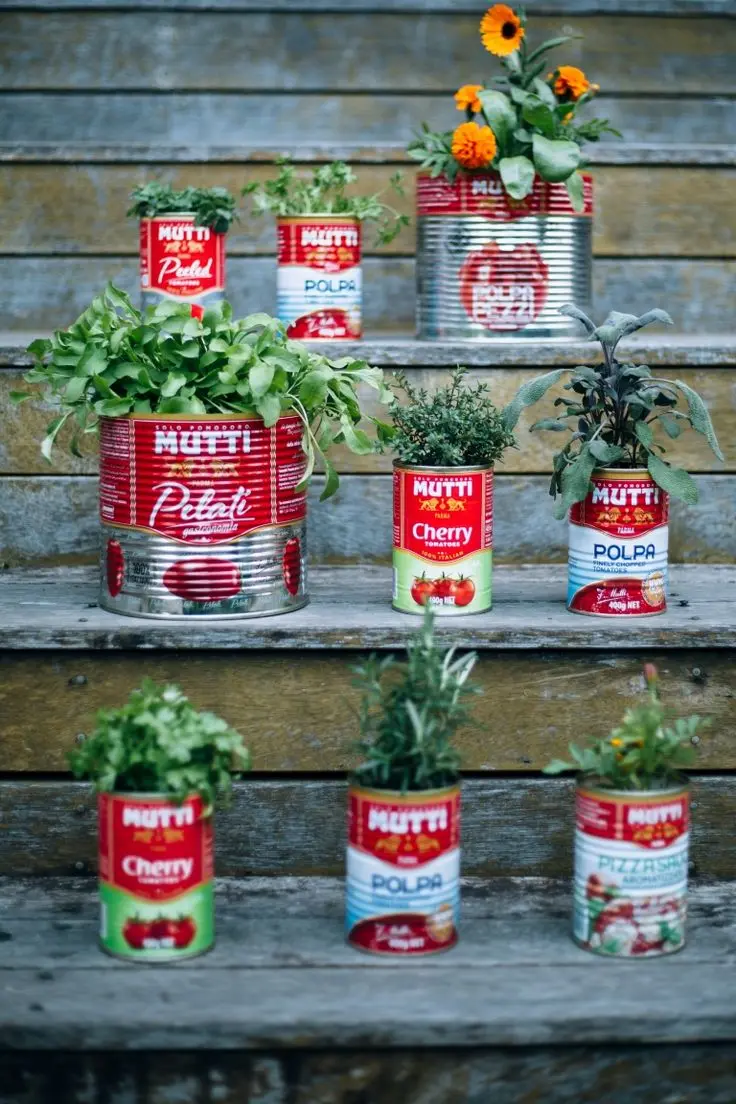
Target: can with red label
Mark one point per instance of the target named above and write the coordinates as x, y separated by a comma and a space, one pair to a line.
156, 877
319, 283
618, 546
490, 266
443, 539
202, 515
180, 260
631, 865
403, 871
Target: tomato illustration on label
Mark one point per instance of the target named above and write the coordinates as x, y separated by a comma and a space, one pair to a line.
325, 324
135, 932
206, 579
422, 590
504, 289
186, 930
292, 565
115, 564
464, 591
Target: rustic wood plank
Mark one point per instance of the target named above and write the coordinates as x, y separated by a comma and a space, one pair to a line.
530, 705
355, 526
280, 120
640, 211
49, 292
537, 7
292, 52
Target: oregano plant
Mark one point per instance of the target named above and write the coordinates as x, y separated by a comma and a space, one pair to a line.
612, 412
213, 207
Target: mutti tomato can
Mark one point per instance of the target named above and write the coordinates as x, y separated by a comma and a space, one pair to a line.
202, 516
618, 547
403, 871
319, 283
488, 266
443, 539
156, 871
631, 862
180, 260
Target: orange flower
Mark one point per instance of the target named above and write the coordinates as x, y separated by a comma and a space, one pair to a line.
501, 30
473, 146
467, 97
570, 83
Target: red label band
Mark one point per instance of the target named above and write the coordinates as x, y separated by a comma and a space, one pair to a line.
443, 517
652, 822
329, 246
624, 506
179, 259
407, 832
484, 195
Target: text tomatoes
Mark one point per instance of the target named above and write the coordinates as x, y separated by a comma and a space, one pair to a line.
203, 579
186, 930
115, 565
135, 932
292, 565
464, 591
422, 590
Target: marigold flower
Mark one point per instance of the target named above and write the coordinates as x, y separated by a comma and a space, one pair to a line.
570, 83
616, 742
467, 97
501, 30
473, 146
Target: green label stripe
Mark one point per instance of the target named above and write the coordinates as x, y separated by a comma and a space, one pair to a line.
156, 931
466, 587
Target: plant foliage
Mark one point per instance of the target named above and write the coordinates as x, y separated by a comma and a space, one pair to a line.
213, 207
612, 412
409, 714
116, 360
158, 743
325, 194
454, 426
645, 752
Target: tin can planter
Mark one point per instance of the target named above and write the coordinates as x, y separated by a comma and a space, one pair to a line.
403, 871
180, 260
443, 539
319, 283
156, 877
618, 546
201, 515
631, 864
488, 266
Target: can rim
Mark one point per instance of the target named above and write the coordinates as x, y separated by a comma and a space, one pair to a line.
442, 470
140, 796
586, 175
249, 416
412, 797
326, 217
623, 473
631, 795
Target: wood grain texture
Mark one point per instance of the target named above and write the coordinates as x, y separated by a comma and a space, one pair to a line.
42, 293
292, 52
537, 7
280, 120
530, 706
640, 211
511, 828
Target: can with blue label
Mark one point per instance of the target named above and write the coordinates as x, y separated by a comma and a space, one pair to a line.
318, 281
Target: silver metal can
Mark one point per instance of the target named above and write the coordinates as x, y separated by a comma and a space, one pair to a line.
202, 516
491, 267
319, 281
180, 260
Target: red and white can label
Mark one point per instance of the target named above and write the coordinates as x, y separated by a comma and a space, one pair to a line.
180, 260
201, 481
156, 868
504, 289
631, 864
403, 871
443, 539
618, 547
319, 283
485, 195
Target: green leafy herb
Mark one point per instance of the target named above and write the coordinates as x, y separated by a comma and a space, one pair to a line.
455, 426
325, 194
645, 752
115, 360
612, 412
409, 715
213, 207
158, 743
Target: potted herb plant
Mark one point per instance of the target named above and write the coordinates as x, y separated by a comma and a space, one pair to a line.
158, 766
319, 227
209, 432
182, 242
632, 831
611, 475
403, 856
446, 443
504, 210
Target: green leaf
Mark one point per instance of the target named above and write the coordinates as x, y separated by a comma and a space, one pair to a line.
576, 480
555, 160
269, 407
313, 391
576, 191
539, 114
75, 389
357, 440
605, 453
699, 416
670, 425
332, 479
528, 394
18, 397
517, 174
260, 378
544, 92
556, 425
173, 384
499, 114
51, 434
557, 766
644, 433
550, 44
676, 481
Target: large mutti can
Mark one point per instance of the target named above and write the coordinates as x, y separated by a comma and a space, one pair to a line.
489, 266
202, 516
443, 539
181, 261
403, 871
631, 865
319, 282
618, 546
156, 877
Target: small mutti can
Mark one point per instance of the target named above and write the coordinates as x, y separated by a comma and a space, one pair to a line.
403, 871
319, 283
156, 877
181, 261
202, 516
489, 266
631, 863
618, 546
443, 539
